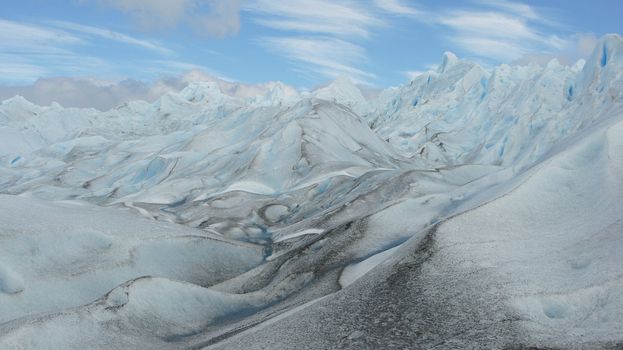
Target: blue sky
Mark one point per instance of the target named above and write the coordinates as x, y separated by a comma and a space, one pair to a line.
304, 43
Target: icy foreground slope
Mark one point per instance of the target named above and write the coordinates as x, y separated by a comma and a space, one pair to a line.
481, 209
538, 267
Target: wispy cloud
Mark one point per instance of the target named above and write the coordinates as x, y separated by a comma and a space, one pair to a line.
517, 8
489, 30
19, 72
24, 47
497, 35
344, 19
330, 57
321, 36
29, 51
398, 7
488, 24
34, 38
111, 35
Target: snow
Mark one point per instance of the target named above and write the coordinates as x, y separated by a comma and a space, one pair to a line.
343, 91
72, 254
10, 281
251, 187
561, 266
276, 212
353, 272
309, 231
155, 308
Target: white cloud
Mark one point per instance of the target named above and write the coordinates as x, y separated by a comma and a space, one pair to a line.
503, 28
399, 8
30, 51
494, 30
517, 8
491, 48
330, 57
210, 17
111, 35
19, 37
488, 24
322, 36
499, 36
345, 18
19, 72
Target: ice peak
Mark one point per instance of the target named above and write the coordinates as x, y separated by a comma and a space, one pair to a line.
341, 83
342, 86
198, 91
607, 50
608, 47
56, 105
553, 63
607, 57
342, 90
17, 100
612, 38
449, 59
577, 67
277, 93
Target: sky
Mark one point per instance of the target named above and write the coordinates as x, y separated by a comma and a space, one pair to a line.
136, 45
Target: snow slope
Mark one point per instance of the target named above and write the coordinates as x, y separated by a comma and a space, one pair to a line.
469, 208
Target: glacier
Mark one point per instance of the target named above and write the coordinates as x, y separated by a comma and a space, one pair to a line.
469, 208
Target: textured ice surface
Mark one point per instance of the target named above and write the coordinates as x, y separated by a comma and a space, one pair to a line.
470, 208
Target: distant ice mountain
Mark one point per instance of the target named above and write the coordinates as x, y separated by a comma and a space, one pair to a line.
512, 115
469, 208
344, 92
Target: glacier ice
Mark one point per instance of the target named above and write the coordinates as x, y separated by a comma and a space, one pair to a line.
469, 208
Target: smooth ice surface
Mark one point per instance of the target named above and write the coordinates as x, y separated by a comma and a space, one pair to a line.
62, 255
558, 257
